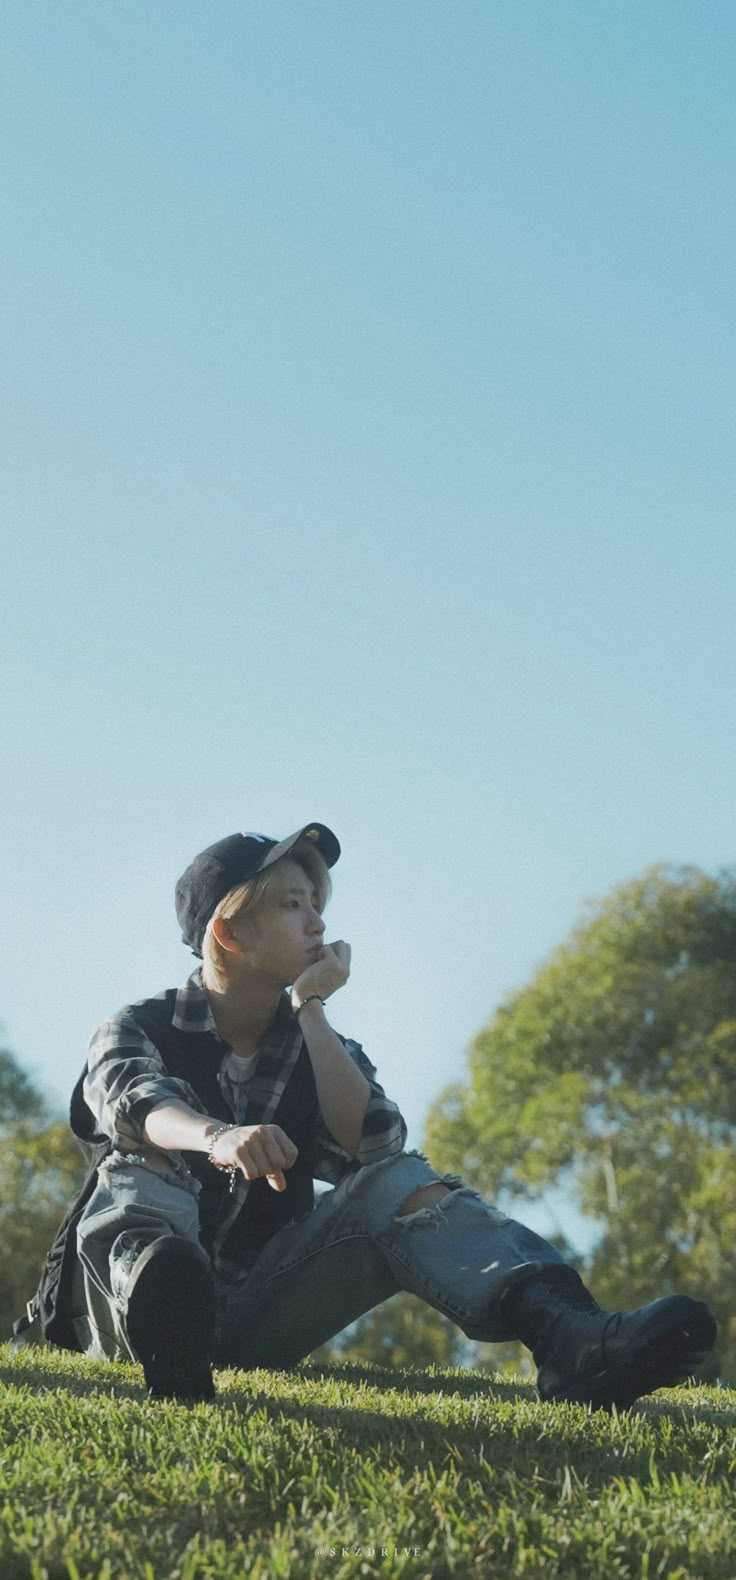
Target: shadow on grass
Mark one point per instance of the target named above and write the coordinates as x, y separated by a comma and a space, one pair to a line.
720, 1405
496, 1448
107, 1382
406, 1379
547, 1442
83, 1377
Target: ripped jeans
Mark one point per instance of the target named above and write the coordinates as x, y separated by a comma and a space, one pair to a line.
315, 1276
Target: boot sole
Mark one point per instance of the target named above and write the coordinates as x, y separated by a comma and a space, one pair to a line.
170, 1320
664, 1358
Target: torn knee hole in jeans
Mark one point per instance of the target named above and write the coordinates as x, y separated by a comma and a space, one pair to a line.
432, 1215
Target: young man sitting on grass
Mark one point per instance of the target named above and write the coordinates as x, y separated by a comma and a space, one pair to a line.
223, 1100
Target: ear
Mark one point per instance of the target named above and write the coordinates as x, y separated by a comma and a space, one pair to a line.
225, 936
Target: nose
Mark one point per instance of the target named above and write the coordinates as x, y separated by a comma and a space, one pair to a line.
316, 924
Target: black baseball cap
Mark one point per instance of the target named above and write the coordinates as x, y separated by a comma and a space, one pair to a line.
231, 861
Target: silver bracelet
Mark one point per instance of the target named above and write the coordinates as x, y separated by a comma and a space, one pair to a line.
226, 1168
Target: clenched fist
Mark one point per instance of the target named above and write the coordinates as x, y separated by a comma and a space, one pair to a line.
258, 1150
325, 976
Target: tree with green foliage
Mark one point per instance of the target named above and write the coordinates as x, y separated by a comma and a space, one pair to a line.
41, 1168
18, 1096
613, 1075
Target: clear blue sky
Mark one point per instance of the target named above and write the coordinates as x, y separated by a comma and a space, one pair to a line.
367, 455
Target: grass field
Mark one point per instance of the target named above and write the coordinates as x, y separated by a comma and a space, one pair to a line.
314, 1472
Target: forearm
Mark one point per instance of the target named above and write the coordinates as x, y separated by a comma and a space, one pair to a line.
342, 1090
176, 1128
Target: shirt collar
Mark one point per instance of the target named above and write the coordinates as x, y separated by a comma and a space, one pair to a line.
192, 1010
192, 1007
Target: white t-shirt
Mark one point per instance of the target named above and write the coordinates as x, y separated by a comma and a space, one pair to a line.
234, 1080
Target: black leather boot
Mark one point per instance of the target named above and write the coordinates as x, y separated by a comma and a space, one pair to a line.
170, 1319
606, 1358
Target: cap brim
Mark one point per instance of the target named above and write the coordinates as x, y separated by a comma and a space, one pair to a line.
321, 837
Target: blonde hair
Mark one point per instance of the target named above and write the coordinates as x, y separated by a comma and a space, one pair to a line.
246, 896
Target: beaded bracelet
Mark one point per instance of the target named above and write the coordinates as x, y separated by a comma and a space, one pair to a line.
308, 1000
227, 1168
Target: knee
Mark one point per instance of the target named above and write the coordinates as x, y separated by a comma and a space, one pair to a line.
425, 1196
397, 1186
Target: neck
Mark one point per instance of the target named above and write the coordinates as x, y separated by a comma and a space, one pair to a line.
244, 1009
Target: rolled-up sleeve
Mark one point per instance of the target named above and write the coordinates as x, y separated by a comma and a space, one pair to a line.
384, 1128
126, 1078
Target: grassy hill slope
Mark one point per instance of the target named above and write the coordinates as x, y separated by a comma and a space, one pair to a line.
315, 1471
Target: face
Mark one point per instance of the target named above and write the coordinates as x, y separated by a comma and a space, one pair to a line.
283, 936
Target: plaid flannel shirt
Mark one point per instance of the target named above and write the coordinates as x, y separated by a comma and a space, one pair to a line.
126, 1078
